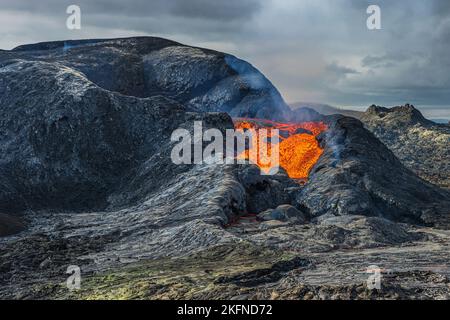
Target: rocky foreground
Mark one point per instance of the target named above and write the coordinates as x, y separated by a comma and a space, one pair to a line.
87, 180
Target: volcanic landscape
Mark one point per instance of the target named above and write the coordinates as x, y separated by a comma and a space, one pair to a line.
87, 180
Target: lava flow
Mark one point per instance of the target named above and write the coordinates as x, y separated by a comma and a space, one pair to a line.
298, 149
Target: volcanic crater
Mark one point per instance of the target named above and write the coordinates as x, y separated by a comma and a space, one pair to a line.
86, 179
298, 147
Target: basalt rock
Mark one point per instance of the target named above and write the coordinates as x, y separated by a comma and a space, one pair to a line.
69, 145
87, 127
422, 145
283, 213
359, 175
265, 191
10, 225
85, 161
201, 79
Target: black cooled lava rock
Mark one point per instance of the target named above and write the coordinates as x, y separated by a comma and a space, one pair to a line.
10, 225
201, 79
422, 145
283, 213
85, 146
85, 126
358, 175
79, 119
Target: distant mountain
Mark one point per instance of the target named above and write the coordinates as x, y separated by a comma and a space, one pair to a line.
326, 109
441, 121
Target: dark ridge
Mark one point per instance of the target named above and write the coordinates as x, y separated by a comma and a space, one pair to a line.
419, 143
401, 114
358, 175
52, 45
326, 109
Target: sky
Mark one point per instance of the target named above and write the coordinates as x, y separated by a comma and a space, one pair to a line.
312, 50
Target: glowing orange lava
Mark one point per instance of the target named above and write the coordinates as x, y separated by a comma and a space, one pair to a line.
298, 148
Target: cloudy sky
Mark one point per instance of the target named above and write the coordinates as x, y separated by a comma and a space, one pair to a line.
312, 50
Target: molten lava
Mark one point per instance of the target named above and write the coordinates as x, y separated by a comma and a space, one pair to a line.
298, 148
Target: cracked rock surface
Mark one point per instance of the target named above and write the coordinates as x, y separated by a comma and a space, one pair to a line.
422, 145
86, 179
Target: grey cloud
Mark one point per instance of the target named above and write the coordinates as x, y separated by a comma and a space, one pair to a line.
441, 8
384, 61
192, 21
340, 70
230, 10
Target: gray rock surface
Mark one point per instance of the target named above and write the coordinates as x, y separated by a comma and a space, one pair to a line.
85, 166
201, 79
283, 213
422, 145
69, 145
359, 175
265, 192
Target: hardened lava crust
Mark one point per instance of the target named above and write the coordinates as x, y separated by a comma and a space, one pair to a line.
86, 179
